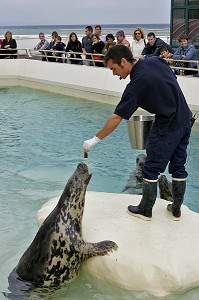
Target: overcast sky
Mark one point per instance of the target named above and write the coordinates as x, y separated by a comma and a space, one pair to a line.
70, 12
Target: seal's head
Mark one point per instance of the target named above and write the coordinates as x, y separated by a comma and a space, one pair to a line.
140, 161
73, 196
80, 179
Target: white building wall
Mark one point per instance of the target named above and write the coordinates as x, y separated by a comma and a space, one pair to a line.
92, 83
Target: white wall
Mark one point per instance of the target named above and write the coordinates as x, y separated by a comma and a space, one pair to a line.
96, 84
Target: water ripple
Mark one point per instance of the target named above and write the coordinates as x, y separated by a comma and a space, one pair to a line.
41, 145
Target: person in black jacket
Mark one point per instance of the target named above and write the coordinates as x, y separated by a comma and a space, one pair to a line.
58, 46
98, 46
8, 44
153, 46
74, 45
54, 35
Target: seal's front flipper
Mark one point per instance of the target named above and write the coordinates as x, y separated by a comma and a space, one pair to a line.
101, 248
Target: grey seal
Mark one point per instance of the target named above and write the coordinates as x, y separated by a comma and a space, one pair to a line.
135, 182
165, 188
58, 250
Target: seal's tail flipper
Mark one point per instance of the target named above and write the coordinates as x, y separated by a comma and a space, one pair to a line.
5, 295
11, 296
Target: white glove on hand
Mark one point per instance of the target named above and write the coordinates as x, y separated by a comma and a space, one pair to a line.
90, 143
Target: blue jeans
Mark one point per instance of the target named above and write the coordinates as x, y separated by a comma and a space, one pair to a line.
167, 149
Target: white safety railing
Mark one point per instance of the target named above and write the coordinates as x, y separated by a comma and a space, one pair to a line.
49, 55
66, 57
173, 65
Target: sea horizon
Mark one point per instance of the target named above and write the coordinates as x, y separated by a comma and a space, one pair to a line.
66, 29
43, 25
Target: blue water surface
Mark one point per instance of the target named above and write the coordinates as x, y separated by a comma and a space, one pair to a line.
41, 136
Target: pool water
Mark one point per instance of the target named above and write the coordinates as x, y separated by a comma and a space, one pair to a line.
41, 137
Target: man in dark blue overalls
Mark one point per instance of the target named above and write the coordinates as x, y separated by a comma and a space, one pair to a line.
154, 88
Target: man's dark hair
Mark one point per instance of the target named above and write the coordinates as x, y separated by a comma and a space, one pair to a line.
110, 35
183, 36
98, 26
54, 33
163, 48
90, 28
116, 53
151, 34
59, 38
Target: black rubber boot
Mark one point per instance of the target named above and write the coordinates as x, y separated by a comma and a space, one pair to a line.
144, 209
178, 191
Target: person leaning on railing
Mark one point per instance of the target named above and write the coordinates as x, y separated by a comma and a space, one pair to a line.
0, 48
121, 39
153, 46
164, 53
42, 45
98, 32
58, 47
110, 42
98, 46
54, 35
8, 45
87, 46
138, 42
186, 51
74, 45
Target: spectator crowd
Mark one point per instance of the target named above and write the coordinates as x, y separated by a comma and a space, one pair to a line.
94, 45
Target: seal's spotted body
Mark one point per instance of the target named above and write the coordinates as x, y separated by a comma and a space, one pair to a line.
58, 250
165, 188
135, 181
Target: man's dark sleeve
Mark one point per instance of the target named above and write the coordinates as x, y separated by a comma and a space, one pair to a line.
128, 103
159, 44
146, 50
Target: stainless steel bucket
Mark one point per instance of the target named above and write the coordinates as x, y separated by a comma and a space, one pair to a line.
138, 129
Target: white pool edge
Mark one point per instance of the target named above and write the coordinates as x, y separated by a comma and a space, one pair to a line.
91, 83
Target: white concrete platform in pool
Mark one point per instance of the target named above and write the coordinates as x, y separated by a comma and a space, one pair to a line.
160, 256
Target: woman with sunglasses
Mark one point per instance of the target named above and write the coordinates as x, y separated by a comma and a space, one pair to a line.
138, 43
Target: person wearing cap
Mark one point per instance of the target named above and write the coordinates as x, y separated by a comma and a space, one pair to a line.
121, 40
159, 93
